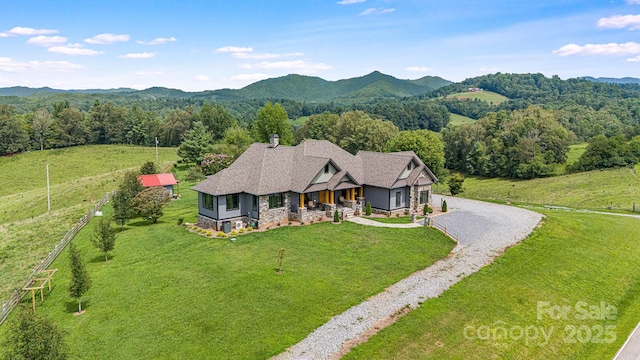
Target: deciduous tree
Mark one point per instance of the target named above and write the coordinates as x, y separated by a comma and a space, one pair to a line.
104, 236
41, 126
33, 337
426, 144
150, 202
13, 136
272, 119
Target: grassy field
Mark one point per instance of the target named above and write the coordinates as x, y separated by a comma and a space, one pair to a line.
167, 293
572, 260
77, 175
615, 189
488, 96
456, 119
299, 121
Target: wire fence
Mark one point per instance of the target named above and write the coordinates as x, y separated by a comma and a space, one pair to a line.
18, 294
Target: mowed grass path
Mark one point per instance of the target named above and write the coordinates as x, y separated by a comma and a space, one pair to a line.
167, 293
572, 258
77, 175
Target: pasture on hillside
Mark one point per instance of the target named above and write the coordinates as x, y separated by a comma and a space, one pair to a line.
456, 119
169, 293
488, 96
611, 189
78, 175
575, 260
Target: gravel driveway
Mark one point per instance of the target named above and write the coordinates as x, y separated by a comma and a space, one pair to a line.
485, 230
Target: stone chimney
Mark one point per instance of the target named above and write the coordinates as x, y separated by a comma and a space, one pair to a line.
274, 140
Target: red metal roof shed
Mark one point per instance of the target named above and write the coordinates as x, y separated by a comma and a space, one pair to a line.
157, 180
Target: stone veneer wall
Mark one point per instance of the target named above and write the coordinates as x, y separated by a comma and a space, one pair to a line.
304, 215
271, 217
414, 194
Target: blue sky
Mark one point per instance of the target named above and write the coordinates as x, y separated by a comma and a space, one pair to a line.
204, 45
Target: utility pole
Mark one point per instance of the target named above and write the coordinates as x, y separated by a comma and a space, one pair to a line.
48, 191
156, 150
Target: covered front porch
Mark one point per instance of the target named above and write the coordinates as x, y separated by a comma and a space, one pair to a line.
314, 205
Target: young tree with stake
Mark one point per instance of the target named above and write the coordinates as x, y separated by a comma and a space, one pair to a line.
104, 236
80, 281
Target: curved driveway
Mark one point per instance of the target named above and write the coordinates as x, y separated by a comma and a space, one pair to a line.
485, 230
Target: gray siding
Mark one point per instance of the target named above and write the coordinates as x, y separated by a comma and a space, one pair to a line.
378, 197
404, 198
206, 212
222, 208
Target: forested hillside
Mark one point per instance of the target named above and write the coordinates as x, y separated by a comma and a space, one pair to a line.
531, 126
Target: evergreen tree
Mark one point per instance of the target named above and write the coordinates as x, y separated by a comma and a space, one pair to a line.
80, 281
195, 144
148, 168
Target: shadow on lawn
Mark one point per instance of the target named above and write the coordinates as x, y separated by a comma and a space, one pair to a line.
72, 305
100, 259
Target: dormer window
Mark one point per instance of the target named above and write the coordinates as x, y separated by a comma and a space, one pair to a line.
326, 169
410, 166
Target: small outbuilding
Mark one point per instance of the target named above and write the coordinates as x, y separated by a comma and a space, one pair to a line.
165, 180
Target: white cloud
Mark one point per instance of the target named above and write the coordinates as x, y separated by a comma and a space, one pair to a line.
298, 65
260, 56
9, 65
201, 78
249, 77
377, 11
144, 55
620, 22
107, 39
73, 49
148, 73
16, 31
234, 49
633, 1
599, 49
419, 69
157, 41
349, 2
47, 41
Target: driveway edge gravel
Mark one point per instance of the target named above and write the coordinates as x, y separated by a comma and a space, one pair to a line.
485, 231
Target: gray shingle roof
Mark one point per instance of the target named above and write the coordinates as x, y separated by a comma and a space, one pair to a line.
262, 170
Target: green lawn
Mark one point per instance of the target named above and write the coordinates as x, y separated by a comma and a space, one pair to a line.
488, 96
572, 258
167, 293
77, 175
456, 119
394, 219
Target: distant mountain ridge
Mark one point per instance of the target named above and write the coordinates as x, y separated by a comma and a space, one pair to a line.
27, 91
624, 80
293, 87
